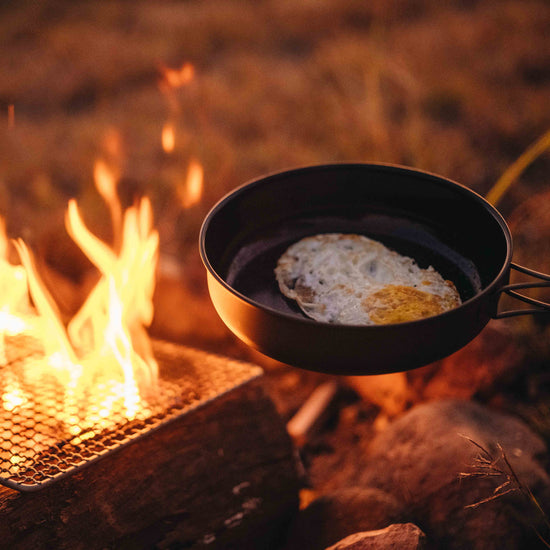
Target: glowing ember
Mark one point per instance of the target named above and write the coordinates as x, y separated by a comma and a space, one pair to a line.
190, 192
13, 394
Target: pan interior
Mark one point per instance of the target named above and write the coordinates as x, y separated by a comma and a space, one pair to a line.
430, 219
251, 270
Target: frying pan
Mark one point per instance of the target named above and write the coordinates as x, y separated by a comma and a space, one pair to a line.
430, 218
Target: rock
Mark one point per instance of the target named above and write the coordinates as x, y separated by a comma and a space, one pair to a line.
336, 515
491, 360
480, 368
419, 458
404, 536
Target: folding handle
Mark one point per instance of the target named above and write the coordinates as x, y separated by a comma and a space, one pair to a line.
511, 290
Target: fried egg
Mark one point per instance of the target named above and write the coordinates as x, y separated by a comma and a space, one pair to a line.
351, 279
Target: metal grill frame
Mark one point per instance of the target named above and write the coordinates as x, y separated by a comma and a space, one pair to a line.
189, 379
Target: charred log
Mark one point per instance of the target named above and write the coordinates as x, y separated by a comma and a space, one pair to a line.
220, 476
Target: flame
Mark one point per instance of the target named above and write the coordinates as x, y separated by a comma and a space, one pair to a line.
112, 143
13, 395
15, 306
176, 78
131, 273
171, 81
102, 359
168, 137
190, 192
106, 180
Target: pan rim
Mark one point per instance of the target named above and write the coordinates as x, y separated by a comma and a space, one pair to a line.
490, 288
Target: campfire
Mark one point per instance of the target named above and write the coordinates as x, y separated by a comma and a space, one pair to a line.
76, 388
71, 393
124, 426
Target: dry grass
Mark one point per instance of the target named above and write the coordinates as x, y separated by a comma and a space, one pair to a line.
488, 465
458, 88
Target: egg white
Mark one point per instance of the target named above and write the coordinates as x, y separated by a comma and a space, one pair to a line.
331, 276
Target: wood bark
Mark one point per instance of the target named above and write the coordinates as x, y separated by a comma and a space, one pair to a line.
221, 476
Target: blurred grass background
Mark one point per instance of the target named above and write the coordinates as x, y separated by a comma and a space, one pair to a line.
459, 88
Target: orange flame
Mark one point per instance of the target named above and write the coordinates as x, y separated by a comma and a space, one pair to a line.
176, 78
15, 306
168, 137
105, 180
173, 80
112, 143
190, 192
103, 357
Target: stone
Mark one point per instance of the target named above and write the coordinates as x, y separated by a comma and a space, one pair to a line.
336, 515
420, 456
404, 536
492, 359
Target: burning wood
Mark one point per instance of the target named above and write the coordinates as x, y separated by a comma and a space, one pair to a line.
44, 435
70, 393
219, 470
301, 424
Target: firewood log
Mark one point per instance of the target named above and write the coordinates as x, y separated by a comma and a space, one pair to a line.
221, 476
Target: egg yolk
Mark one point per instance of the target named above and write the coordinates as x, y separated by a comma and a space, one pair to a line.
399, 304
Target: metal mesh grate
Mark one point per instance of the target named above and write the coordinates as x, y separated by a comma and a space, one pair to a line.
43, 439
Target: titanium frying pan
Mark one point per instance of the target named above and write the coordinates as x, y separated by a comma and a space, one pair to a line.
432, 219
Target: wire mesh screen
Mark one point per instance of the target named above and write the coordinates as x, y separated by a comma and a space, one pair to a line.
45, 435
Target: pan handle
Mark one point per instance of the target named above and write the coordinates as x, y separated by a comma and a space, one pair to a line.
511, 290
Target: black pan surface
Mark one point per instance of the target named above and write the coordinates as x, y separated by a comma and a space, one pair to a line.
251, 271
434, 220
